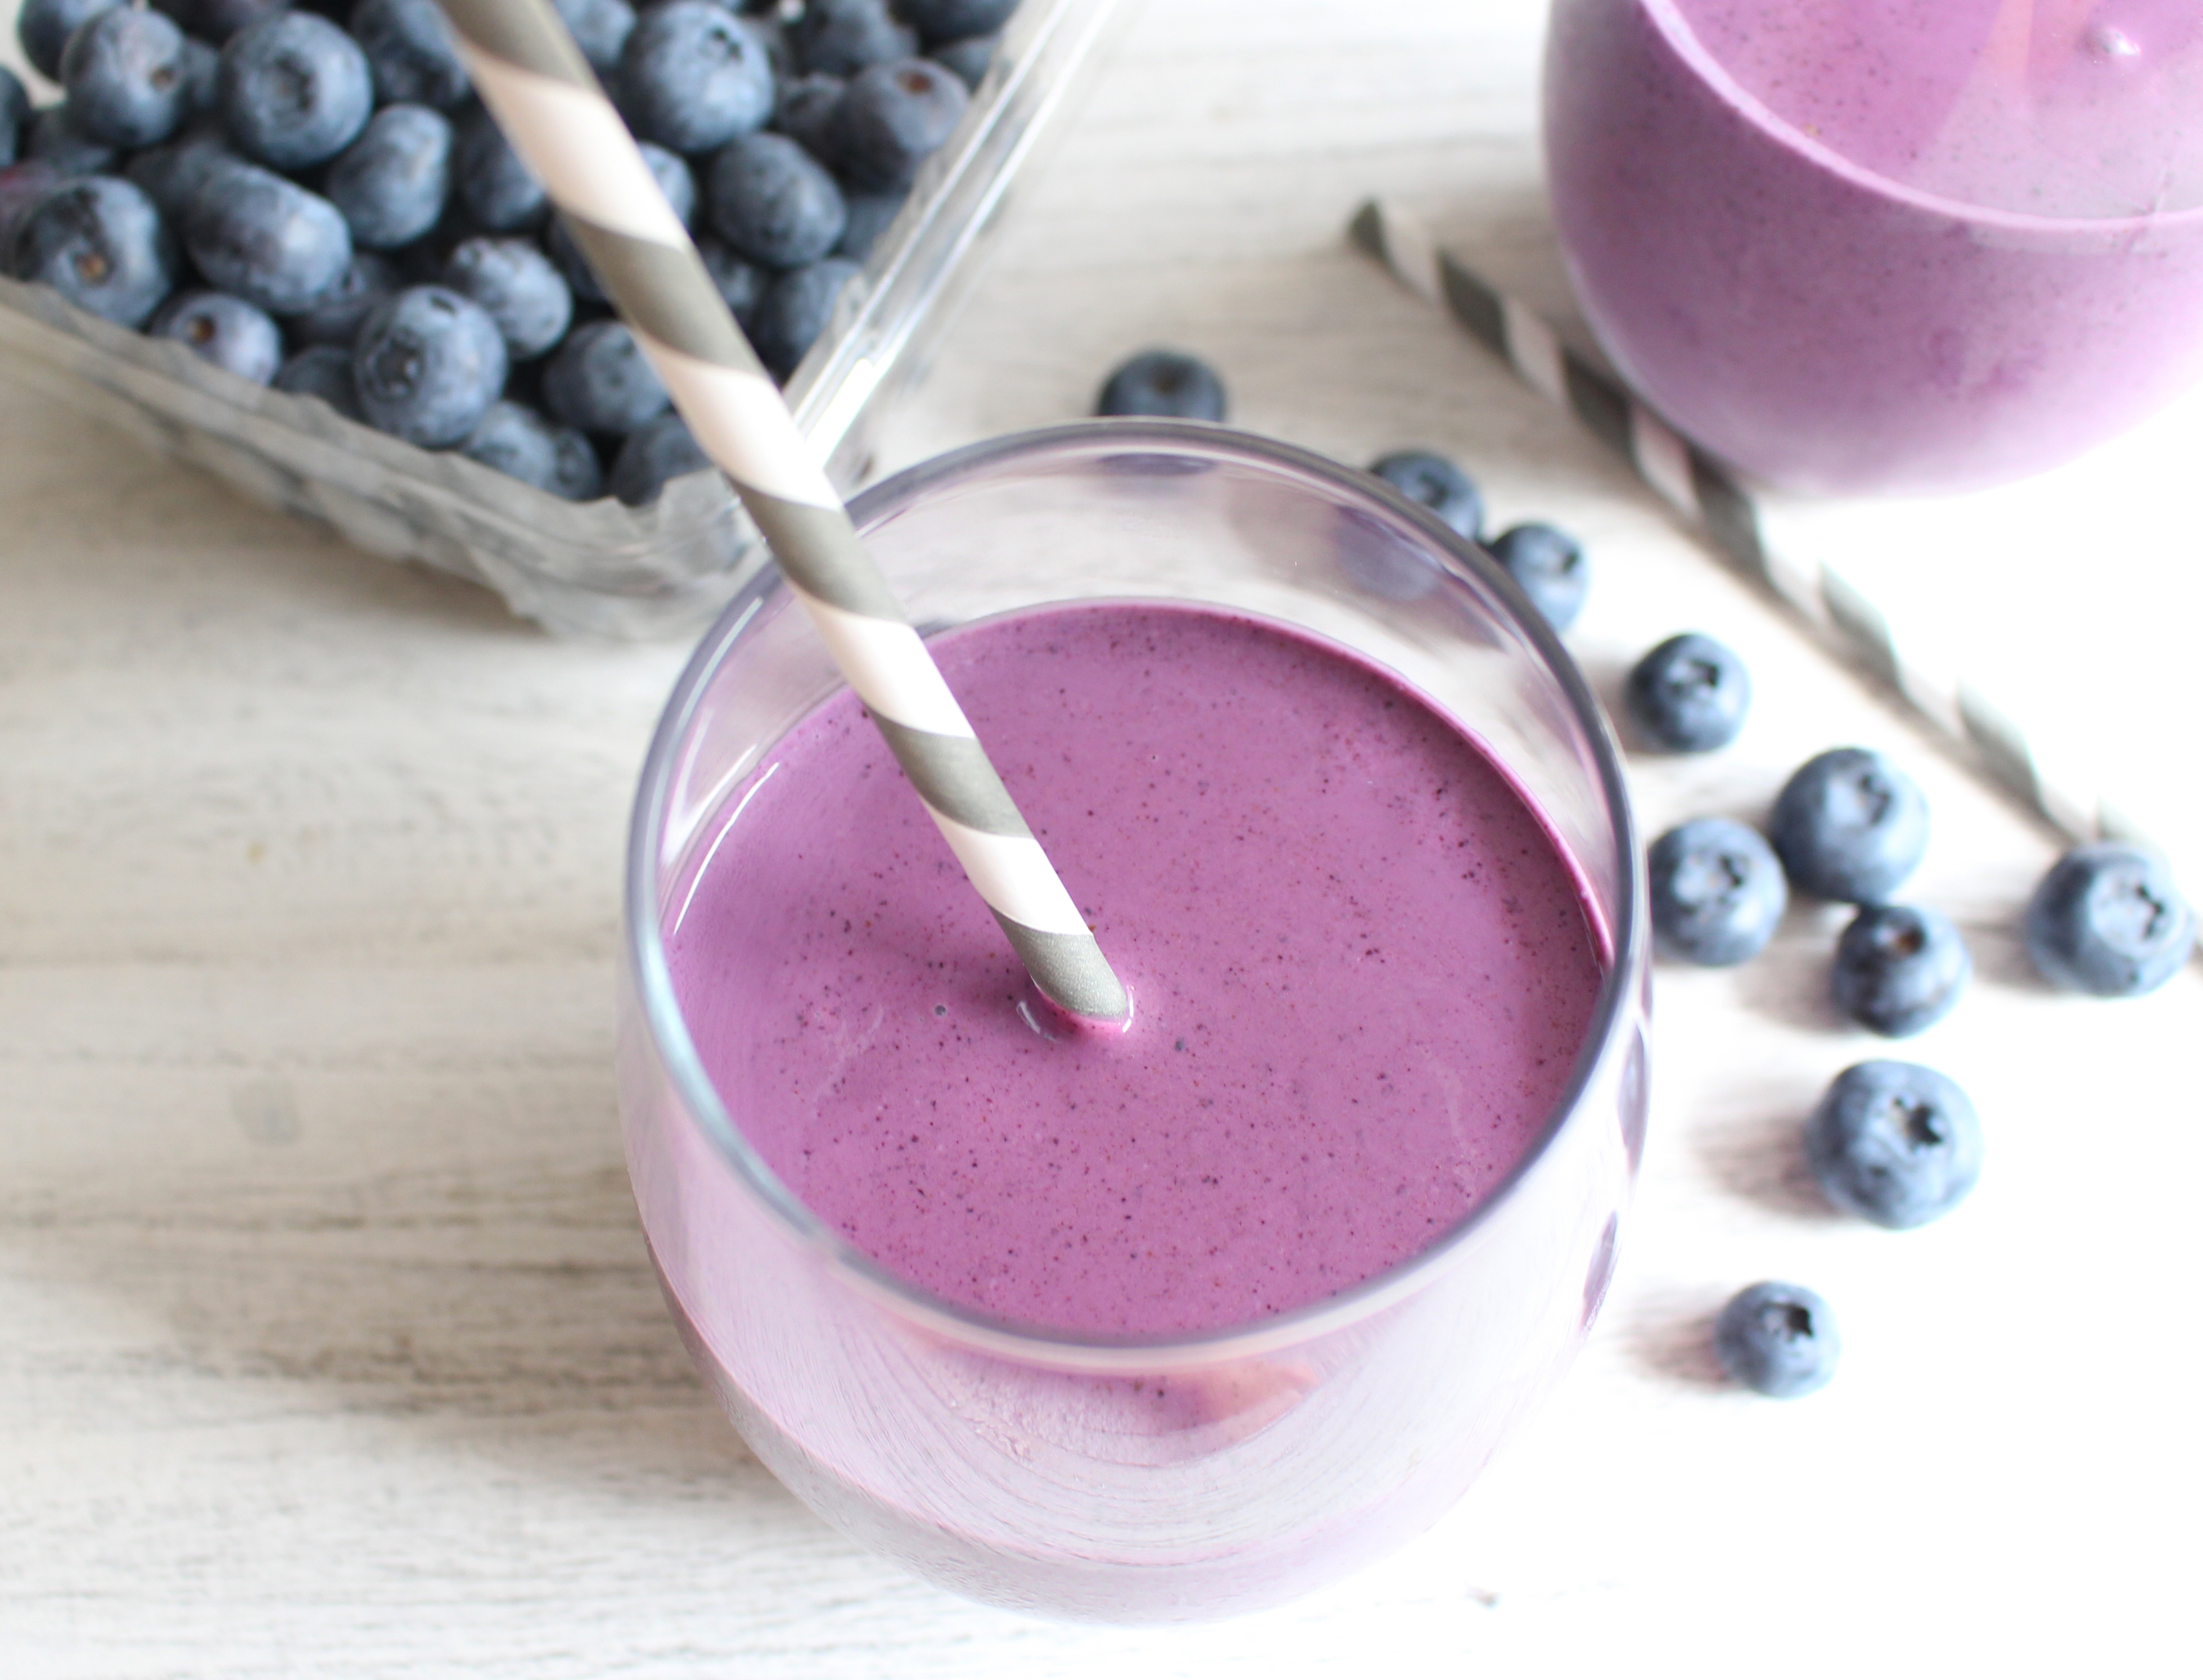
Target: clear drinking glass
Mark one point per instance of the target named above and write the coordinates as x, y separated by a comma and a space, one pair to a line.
1162, 1479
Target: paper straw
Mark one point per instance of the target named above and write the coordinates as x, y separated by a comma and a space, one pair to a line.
1710, 498
546, 99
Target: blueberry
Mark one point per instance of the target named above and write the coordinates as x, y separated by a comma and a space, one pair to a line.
499, 193
390, 184
599, 382
429, 363
600, 29
21, 186
216, 20
967, 60
1717, 893
409, 53
653, 458
1689, 694
674, 179
805, 112
939, 21
322, 371
842, 37
1432, 481
294, 90
367, 279
1550, 566
172, 176
101, 244
891, 119
577, 475
794, 312
525, 296
514, 439
267, 240
740, 283
773, 202
52, 137
224, 330
43, 28
1899, 968
1165, 383
692, 76
2107, 919
870, 215
202, 79
1778, 1339
1895, 1143
125, 77
14, 107
1849, 825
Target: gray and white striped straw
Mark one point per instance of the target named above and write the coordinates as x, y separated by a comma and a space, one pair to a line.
545, 97
1710, 496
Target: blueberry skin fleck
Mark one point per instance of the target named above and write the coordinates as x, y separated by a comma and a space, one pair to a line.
1895, 1143
1690, 694
600, 29
773, 202
1717, 893
224, 330
1167, 384
939, 21
428, 363
2108, 920
967, 60
51, 137
794, 312
409, 53
126, 79
1550, 566
805, 112
600, 382
893, 117
1899, 968
14, 107
294, 90
101, 244
870, 215
741, 283
1778, 1339
528, 299
322, 371
692, 76
842, 37
43, 28
499, 192
267, 240
391, 183
1430, 480
653, 458
367, 279
1850, 825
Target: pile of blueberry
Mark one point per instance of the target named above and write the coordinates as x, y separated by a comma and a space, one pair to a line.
310, 196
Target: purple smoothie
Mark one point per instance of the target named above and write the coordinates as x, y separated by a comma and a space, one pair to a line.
1886, 245
1362, 971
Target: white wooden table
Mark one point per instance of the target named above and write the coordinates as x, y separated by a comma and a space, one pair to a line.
328, 1343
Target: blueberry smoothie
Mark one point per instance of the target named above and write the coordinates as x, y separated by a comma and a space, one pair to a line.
1362, 969
1886, 245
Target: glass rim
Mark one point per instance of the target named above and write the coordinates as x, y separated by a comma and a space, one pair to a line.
644, 946
1668, 16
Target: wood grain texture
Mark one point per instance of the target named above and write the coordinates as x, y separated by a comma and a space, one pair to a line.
328, 1343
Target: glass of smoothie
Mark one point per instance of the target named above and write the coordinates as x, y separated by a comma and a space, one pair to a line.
1886, 245
1180, 1318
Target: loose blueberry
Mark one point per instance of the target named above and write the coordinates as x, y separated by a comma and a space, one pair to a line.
693, 75
842, 37
1689, 694
600, 29
870, 215
514, 439
52, 137
409, 53
267, 240
1850, 825
15, 108
224, 330
367, 279
526, 296
1550, 566
578, 476
967, 60
2107, 919
1717, 893
1899, 968
1432, 481
794, 312
891, 119
216, 20
773, 202
43, 28
653, 458
390, 184
740, 283
125, 77
805, 112
202, 79
1778, 1339
322, 371
100, 243
428, 363
1894, 1142
1165, 383
939, 21
172, 176
599, 382
294, 90
499, 192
